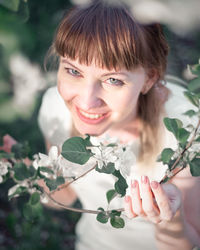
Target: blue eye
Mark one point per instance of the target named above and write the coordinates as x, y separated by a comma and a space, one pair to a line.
114, 81
73, 72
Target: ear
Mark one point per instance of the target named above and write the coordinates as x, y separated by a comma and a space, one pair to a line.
152, 78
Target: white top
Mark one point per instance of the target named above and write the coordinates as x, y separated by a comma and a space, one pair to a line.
55, 123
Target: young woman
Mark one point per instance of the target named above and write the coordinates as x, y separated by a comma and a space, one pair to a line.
109, 81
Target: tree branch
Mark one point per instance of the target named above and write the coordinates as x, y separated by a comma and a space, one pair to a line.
75, 179
182, 153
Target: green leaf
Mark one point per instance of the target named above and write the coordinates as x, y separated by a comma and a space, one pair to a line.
23, 11
35, 198
21, 171
20, 150
195, 167
100, 208
166, 155
53, 184
192, 98
165, 179
171, 163
198, 139
182, 135
175, 126
171, 124
106, 169
194, 85
195, 69
102, 217
190, 113
12, 5
4, 155
110, 195
46, 170
32, 171
74, 150
112, 145
87, 141
120, 184
117, 222
32, 212
115, 213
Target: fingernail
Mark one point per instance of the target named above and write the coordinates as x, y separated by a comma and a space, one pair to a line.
127, 198
154, 184
133, 183
144, 179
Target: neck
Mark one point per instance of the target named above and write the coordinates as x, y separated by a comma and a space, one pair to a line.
128, 133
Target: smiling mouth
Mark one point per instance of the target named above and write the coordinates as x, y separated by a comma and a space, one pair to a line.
91, 118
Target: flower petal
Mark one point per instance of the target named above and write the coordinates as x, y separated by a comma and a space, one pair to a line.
53, 153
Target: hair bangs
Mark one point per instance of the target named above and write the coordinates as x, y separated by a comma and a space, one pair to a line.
111, 43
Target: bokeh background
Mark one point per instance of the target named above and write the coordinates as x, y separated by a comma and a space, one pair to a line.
26, 32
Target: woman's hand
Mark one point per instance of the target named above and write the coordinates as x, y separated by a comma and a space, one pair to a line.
153, 201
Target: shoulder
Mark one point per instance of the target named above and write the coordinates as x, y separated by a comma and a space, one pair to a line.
54, 118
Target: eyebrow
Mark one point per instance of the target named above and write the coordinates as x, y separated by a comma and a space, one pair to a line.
115, 73
66, 61
106, 74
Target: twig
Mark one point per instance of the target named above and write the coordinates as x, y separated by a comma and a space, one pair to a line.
75, 179
79, 210
182, 153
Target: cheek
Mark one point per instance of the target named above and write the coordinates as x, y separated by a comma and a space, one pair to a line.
127, 101
65, 90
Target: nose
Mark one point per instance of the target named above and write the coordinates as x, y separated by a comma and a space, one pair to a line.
90, 96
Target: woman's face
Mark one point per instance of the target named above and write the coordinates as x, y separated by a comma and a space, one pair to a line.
99, 99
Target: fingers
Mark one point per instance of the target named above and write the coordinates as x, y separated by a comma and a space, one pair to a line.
128, 208
148, 204
136, 199
152, 200
162, 201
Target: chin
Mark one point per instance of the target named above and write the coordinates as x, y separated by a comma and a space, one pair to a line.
94, 131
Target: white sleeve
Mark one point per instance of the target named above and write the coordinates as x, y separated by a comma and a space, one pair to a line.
54, 118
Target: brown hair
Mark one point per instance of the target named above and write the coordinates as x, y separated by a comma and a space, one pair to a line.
112, 37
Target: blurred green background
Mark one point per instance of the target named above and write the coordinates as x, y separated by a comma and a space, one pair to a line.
26, 32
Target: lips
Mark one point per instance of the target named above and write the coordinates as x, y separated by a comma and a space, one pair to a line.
91, 118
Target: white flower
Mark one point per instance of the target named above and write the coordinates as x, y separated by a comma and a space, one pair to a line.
125, 161
103, 155
13, 189
122, 156
51, 160
44, 199
4, 169
105, 140
28, 80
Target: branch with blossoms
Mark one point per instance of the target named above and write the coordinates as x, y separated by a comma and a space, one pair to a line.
79, 156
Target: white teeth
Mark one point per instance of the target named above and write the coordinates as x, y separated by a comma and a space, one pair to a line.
91, 116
